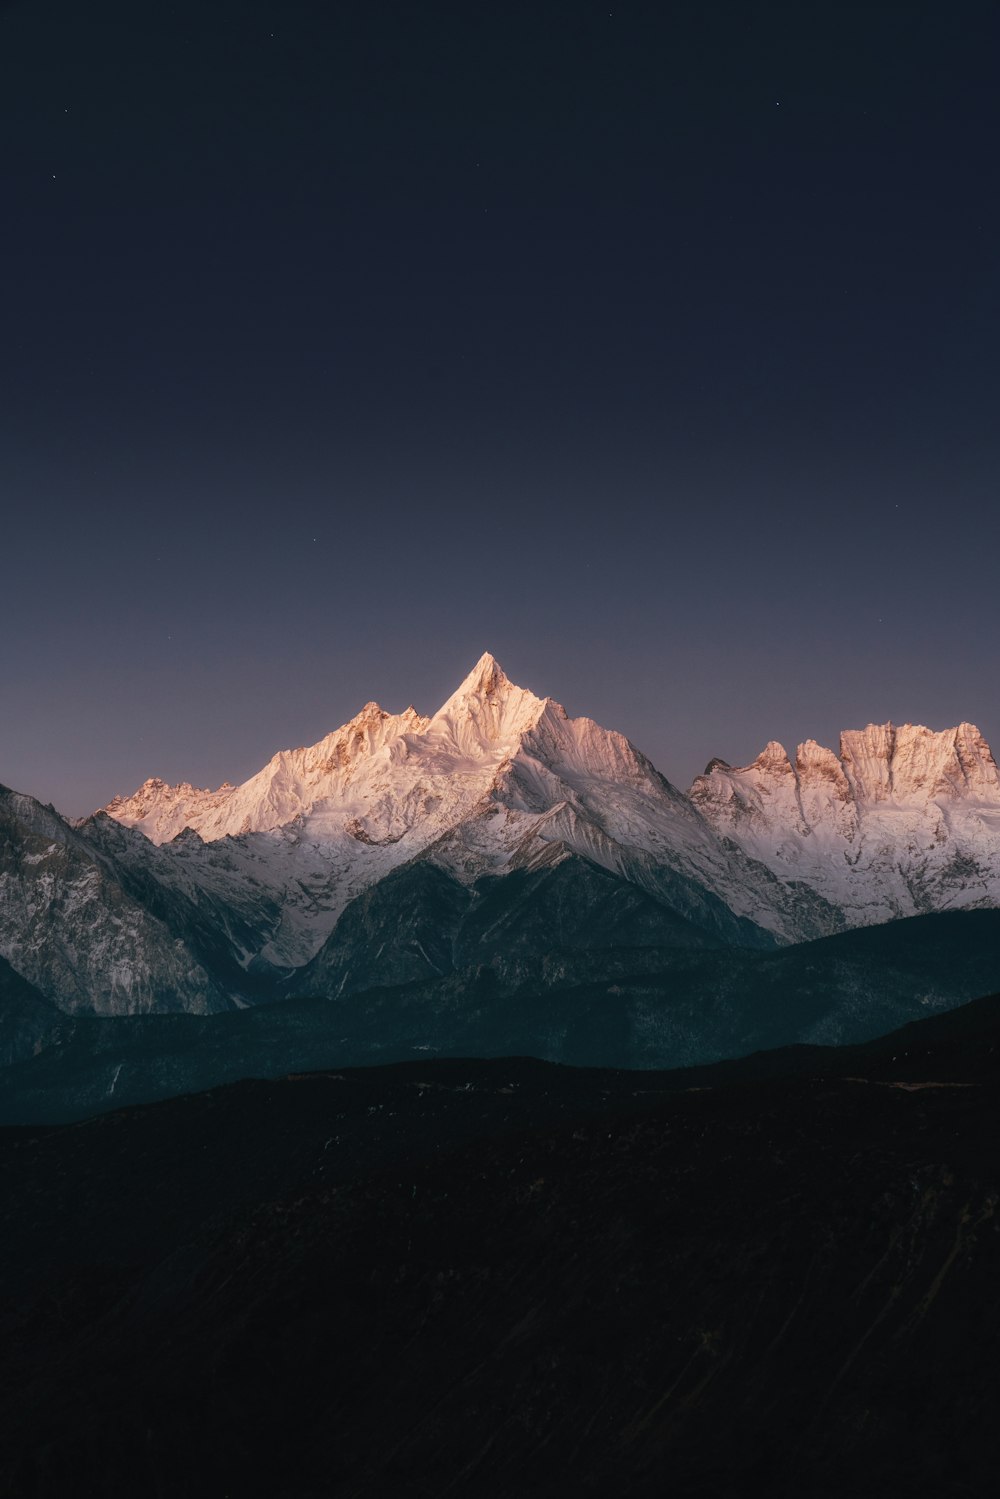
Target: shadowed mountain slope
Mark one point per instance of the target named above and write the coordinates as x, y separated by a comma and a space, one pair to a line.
644, 1008
28, 1023
79, 931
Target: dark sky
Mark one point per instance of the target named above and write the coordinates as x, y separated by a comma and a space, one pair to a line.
653, 347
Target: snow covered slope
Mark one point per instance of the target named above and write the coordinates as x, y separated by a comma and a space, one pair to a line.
903, 820
497, 779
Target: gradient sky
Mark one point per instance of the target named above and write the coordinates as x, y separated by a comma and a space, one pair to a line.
652, 347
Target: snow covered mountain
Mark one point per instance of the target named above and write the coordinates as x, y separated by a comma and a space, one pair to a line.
496, 780
903, 820
498, 833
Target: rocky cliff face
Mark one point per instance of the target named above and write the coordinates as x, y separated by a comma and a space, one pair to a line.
903, 820
72, 929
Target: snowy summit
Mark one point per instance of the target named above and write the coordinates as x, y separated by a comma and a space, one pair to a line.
902, 820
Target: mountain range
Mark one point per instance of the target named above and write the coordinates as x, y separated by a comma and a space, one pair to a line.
497, 841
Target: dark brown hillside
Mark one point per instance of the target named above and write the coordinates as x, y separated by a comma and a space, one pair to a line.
505, 1278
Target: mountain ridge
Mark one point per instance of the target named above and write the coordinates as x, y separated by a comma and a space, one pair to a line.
903, 819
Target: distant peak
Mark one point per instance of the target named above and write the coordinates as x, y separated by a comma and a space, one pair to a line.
487, 676
875, 739
487, 707
370, 713
773, 756
187, 836
486, 679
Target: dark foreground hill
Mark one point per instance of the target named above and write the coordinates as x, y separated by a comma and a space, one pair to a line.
632, 1008
501, 1278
